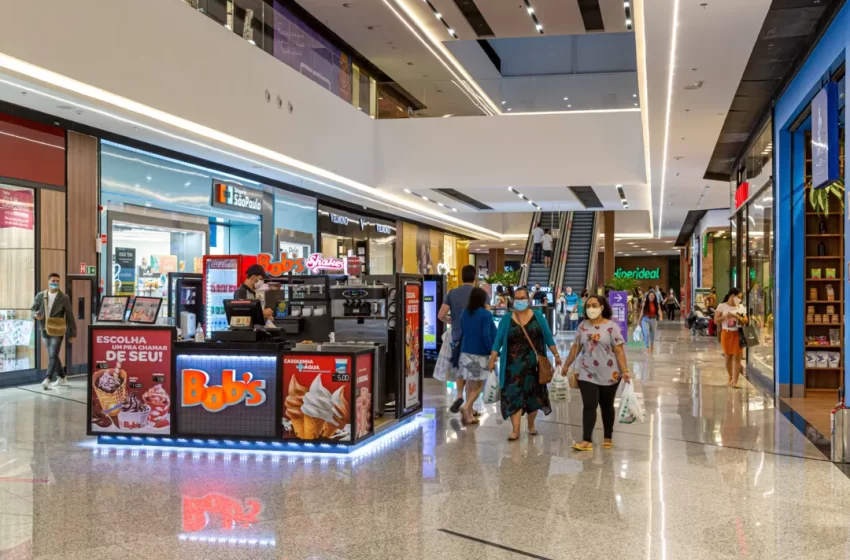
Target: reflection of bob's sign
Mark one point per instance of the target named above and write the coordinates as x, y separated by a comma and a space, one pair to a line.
233, 196
200, 513
314, 263
215, 398
639, 274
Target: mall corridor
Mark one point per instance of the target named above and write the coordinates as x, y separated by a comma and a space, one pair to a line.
713, 473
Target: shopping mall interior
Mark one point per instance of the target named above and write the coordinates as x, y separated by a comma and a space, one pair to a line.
290, 272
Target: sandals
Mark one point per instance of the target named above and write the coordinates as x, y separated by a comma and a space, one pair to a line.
513, 438
608, 445
580, 447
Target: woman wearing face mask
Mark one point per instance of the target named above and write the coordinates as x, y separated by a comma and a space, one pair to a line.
650, 314
731, 315
600, 368
522, 392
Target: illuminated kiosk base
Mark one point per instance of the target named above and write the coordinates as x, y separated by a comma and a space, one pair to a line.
399, 429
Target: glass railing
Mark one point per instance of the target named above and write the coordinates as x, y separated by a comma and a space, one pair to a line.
279, 32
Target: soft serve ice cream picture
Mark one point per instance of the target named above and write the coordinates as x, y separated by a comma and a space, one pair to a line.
317, 398
130, 382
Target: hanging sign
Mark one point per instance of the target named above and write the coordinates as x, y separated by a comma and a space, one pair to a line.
825, 168
639, 273
742, 193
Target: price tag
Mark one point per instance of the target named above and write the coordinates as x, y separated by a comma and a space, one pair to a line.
158, 378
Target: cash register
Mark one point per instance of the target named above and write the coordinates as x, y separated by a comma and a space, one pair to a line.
246, 322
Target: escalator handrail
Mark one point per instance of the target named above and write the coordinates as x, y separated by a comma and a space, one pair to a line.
559, 260
593, 261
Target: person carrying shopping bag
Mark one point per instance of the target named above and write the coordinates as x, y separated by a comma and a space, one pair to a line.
731, 315
479, 334
601, 366
55, 321
650, 314
520, 346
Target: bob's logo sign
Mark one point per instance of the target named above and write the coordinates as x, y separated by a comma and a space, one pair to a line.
215, 398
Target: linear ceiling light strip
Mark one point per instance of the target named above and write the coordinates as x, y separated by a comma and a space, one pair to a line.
439, 16
627, 6
533, 15
365, 191
426, 199
525, 198
623, 199
672, 72
643, 89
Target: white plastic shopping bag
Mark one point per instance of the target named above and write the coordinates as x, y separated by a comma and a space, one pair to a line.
443, 367
492, 390
631, 409
638, 335
559, 388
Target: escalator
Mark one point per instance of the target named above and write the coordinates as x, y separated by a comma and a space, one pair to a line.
581, 253
538, 273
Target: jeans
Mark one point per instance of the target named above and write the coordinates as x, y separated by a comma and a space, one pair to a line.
537, 253
649, 326
593, 395
53, 344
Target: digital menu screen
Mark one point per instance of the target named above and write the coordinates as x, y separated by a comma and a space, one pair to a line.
145, 310
430, 310
112, 308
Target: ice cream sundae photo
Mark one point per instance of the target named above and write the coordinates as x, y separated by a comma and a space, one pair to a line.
157, 399
316, 413
133, 414
364, 412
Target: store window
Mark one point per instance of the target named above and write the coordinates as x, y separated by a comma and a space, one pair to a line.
295, 225
345, 234
17, 278
760, 286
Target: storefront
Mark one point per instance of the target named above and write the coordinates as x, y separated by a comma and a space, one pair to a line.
346, 234
160, 216
810, 309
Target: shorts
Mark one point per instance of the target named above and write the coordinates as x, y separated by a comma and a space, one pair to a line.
473, 367
730, 343
547, 254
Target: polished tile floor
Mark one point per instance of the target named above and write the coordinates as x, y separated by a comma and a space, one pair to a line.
713, 473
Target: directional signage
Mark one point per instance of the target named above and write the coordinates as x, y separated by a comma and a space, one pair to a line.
620, 311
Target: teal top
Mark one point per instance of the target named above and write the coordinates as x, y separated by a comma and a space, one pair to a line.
500, 344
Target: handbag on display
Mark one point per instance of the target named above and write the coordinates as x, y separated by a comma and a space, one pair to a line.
54, 326
545, 369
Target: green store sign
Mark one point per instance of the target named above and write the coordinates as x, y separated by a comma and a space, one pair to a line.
639, 274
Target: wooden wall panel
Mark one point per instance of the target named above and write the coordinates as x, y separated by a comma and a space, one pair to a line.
82, 223
52, 260
52, 221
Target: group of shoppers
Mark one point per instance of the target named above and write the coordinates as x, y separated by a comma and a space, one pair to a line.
542, 241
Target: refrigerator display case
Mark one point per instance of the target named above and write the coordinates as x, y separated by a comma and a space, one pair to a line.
185, 294
223, 274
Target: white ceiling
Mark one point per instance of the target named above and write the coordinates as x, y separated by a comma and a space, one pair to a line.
713, 46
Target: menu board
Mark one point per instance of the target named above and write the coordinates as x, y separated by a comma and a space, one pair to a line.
317, 397
412, 350
112, 308
131, 382
429, 303
145, 310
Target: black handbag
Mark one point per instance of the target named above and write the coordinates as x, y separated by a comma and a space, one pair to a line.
748, 337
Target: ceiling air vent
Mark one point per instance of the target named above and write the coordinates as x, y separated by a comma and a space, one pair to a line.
587, 197
460, 197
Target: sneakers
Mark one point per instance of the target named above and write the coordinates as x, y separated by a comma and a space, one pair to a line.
455, 408
60, 382
45, 384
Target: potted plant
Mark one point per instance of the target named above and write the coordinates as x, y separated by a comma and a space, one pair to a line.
820, 198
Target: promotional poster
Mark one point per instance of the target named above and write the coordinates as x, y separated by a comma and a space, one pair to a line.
131, 381
412, 351
317, 397
124, 271
429, 302
364, 395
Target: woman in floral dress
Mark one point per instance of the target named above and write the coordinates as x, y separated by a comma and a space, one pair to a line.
522, 392
600, 367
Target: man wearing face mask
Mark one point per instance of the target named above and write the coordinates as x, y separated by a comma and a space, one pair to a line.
52, 310
255, 279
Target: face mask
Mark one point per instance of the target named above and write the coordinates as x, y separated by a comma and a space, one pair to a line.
54, 285
736, 301
594, 312
258, 284
521, 305
569, 292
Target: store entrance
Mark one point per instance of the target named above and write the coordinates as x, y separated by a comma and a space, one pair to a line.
82, 291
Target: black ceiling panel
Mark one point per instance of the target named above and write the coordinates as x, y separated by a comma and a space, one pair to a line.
790, 29
591, 14
688, 227
460, 197
475, 18
587, 197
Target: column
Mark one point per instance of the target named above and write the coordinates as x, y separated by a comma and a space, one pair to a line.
496, 261
610, 250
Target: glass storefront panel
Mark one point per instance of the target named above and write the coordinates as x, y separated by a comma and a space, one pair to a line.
17, 278
344, 234
760, 287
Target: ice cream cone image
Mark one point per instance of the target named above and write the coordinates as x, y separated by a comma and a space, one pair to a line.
294, 401
342, 409
110, 386
317, 410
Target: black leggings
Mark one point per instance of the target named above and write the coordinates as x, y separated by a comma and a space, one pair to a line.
593, 395
671, 311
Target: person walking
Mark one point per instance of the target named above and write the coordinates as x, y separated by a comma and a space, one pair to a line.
600, 368
450, 312
671, 304
650, 314
731, 315
581, 301
546, 240
561, 308
522, 337
537, 238
572, 309
479, 333
55, 321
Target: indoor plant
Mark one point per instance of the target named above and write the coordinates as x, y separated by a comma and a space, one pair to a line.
820, 198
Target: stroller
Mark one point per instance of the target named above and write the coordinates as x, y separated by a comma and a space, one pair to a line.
701, 321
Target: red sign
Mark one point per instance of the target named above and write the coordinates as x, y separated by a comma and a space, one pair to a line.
317, 397
16, 209
83, 268
214, 398
363, 398
131, 383
742, 193
314, 263
412, 348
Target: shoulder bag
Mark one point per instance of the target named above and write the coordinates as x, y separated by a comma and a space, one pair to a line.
545, 369
53, 326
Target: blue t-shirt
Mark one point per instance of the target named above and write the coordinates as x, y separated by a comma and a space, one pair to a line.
572, 301
457, 300
481, 332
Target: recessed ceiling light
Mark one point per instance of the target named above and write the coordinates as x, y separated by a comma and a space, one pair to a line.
407, 191
509, 109
636, 104
566, 99
503, 102
634, 95
539, 28
568, 106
